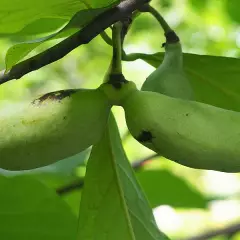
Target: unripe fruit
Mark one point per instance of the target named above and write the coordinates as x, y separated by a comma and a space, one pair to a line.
190, 133
169, 78
52, 127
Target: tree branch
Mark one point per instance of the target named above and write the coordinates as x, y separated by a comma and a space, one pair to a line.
227, 231
84, 36
78, 184
136, 165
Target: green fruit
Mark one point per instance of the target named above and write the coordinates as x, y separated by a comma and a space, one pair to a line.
50, 128
190, 133
169, 78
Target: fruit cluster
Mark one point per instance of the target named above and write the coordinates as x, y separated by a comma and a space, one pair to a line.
163, 116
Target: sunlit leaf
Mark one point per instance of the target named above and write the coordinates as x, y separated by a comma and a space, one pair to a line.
162, 187
18, 51
15, 14
113, 205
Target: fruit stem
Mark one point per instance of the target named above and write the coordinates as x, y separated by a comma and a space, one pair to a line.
116, 64
147, 8
106, 38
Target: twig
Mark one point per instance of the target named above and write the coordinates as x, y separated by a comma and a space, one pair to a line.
136, 165
106, 38
78, 184
227, 231
157, 15
84, 36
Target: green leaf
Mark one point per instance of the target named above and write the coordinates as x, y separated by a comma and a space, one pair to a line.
57, 175
113, 205
15, 14
199, 5
73, 199
162, 194
29, 210
215, 80
17, 52
37, 27
232, 8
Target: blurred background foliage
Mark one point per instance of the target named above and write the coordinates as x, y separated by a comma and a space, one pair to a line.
185, 201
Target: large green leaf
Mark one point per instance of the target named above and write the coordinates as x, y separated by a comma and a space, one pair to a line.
162, 187
215, 80
113, 205
15, 14
29, 210
20, 50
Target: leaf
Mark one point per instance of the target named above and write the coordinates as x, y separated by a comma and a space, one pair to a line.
162, 194
37, 27
73, 199
215, 80
17, 52
113, 205
29, 210
199, 5
56, 175
62, 167
232, 8
15, 14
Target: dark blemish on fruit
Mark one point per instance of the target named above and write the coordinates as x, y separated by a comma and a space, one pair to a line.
117, 80
187, 114
55, 96
145, 136
65, 117
172, 37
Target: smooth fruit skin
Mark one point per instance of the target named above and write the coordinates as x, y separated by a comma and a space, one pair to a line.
190, 133
52, 127
169, 78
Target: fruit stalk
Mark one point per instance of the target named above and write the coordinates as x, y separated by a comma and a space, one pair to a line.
147, 8
169, 78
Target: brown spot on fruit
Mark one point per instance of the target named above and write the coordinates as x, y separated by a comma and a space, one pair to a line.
55, 96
